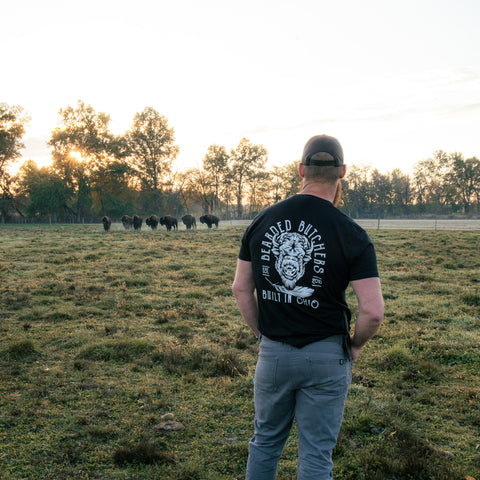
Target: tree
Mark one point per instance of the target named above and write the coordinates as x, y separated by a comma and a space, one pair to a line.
259, 190
285, 181
199, 190
380, 190
356, 191
12, 130
215, 165
112, 192
86, 133
151, 147
401, 191
246, 160
429, 182
82, 146
45, 191
276, 184
291, 179
464, 179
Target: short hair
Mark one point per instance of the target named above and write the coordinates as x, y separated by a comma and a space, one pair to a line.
328, 174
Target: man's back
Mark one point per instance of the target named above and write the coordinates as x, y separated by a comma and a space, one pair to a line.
304, 252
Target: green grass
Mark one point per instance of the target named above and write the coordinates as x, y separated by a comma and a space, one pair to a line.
101, 335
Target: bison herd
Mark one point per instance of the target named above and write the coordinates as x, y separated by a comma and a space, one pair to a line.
168, 221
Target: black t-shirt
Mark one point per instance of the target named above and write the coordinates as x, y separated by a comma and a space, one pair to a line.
304, 253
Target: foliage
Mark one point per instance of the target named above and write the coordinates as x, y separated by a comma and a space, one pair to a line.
151, 149
247, 162
445, 183
82, 148
463, 180
83, 130
112, 190
216, 167
12, 129
96, 173
44, 189
105, 335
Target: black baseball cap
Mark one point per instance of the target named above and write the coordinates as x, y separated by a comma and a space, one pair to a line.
322, 144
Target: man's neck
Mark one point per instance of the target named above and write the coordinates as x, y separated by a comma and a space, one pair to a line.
321, 190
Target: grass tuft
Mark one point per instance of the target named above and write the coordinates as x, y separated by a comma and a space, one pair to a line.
473, 300
20, 350
143, 453
116, 350
397, 356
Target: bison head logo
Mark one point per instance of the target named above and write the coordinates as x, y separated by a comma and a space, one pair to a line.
292, 252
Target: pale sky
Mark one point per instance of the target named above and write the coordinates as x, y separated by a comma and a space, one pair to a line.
392, 80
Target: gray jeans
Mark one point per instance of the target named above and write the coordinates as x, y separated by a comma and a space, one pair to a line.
309, 384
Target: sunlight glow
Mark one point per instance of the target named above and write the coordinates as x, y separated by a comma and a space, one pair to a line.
76, 155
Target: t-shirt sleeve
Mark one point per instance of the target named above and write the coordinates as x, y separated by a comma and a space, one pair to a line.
244, 253
365, 264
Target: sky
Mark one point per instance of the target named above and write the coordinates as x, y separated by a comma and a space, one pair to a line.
394, 81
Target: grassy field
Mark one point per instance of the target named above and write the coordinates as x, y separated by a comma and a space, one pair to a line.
107, 337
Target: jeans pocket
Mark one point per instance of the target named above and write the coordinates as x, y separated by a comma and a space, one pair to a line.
331, 375
266, 373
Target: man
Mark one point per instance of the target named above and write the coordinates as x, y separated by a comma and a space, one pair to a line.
296, 260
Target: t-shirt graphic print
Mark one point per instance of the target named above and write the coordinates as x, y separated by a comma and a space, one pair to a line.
289, 252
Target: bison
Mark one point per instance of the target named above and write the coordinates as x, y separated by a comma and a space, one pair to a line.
152, 222
127, 221
137, 222
209, 220
106, 223
169, 222
189, 221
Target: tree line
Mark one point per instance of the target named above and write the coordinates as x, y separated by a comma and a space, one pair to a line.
94, 173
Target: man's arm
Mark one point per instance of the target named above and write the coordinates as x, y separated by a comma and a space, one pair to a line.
244, 292
370, 312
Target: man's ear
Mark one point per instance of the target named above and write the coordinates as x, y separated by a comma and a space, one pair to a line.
344, 171
300, 170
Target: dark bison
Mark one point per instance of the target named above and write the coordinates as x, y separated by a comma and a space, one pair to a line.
209, 220
152, 222
169, 222
127, 221
189, 221
106, 223
137, 222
